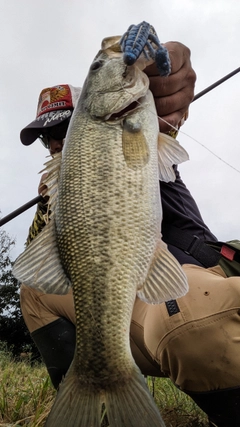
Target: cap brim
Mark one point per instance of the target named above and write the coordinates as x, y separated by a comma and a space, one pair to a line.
31, 132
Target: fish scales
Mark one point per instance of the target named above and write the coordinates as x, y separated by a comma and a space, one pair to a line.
108, 252
105, 230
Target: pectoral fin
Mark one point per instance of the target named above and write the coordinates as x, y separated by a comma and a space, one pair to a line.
165, 280
135, 147
170, 153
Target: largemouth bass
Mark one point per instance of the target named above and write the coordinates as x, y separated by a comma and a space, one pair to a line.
104, 240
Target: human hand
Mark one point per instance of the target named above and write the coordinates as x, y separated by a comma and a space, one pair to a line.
173, 94
42, 188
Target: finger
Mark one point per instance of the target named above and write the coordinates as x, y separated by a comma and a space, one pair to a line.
176, 104
165, 86
170, 122
182, 73
42, 188
179, 55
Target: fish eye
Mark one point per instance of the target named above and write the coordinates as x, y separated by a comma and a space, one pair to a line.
96, 65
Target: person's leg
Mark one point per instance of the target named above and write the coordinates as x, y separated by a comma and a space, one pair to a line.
56, 343
51, 322
39, 309
140, 352
222, 407
196, 342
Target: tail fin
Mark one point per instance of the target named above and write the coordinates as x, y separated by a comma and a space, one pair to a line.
75, 405
132, 405
128, 405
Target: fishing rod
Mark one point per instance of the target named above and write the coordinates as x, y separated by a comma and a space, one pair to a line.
40, 198
20, 210
217, 83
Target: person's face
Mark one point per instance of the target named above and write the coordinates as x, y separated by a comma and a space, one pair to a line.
53, 137
55, 145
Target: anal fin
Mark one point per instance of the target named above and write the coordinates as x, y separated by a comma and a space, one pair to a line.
166, 279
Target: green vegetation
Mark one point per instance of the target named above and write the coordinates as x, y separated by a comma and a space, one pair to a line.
26, 397
26, 393
177, 409
13, 330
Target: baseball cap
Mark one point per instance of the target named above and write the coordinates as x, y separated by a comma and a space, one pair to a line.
55, 106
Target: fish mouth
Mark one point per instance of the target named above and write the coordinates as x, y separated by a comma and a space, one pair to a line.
125, 111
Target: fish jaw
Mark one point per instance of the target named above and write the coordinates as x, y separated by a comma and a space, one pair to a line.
105, 96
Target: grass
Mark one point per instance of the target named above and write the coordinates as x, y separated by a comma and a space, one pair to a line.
26, 397
26, 393
177, 409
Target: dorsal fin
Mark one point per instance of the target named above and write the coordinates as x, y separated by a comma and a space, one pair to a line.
39, 266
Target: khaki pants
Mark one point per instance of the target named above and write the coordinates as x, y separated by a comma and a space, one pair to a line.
198, 347
39, 309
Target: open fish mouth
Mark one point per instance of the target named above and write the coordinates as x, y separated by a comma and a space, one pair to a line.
125, 111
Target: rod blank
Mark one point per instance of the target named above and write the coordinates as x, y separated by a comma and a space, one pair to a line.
20, 210
223, 79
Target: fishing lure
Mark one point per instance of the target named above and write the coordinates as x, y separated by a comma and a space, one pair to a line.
142, 38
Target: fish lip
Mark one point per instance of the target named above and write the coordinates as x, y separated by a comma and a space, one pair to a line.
133, 106
120, 114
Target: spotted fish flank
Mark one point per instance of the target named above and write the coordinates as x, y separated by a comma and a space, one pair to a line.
105, 236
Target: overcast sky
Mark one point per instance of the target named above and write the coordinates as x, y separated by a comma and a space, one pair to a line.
54, 42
